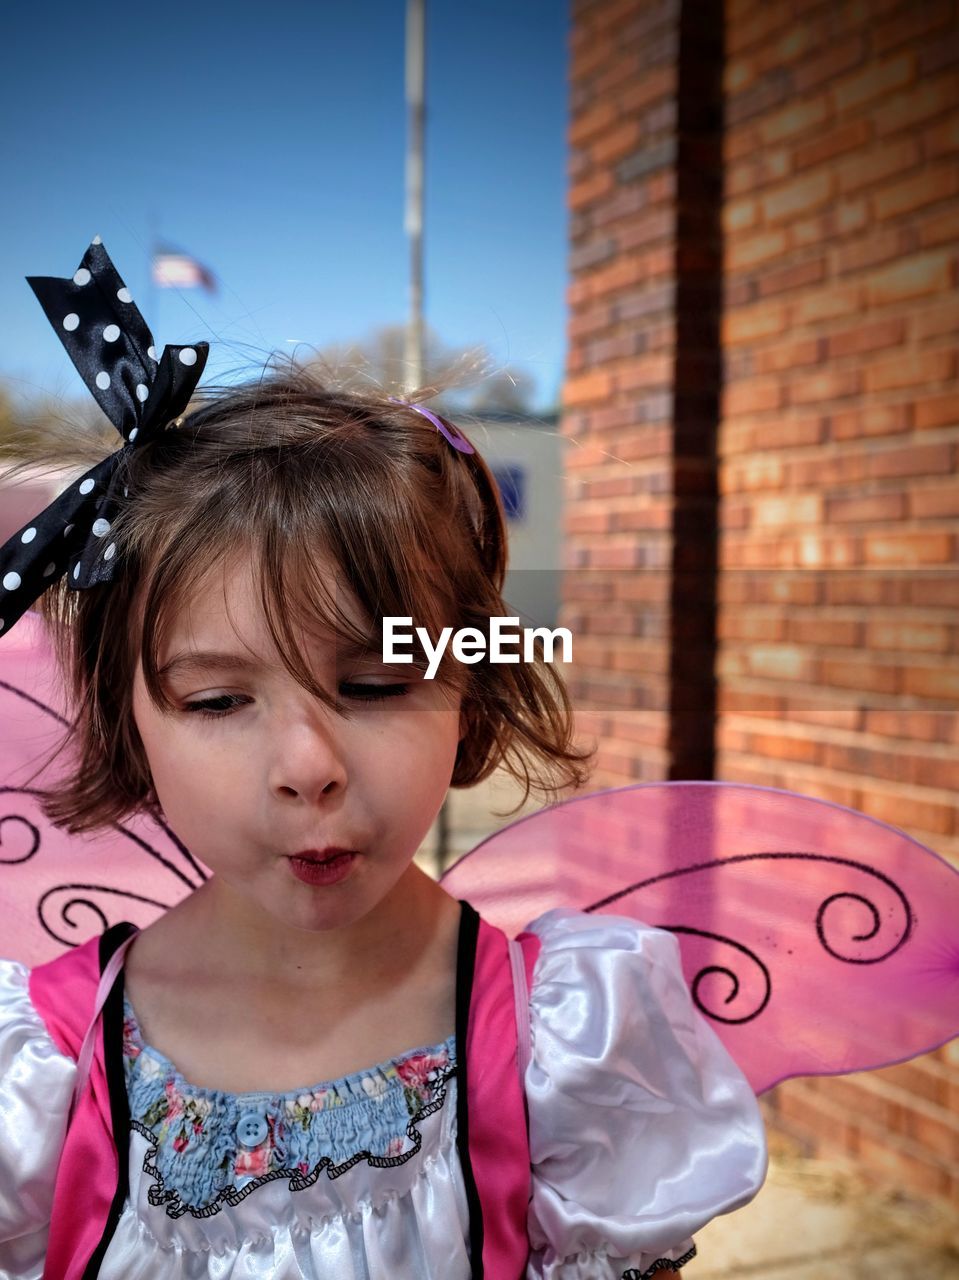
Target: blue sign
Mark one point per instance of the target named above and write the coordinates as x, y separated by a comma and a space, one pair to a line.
511, 482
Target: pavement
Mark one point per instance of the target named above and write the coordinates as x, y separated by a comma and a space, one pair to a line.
813, 1219
821, 1220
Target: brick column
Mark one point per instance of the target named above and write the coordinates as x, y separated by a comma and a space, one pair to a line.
641, 399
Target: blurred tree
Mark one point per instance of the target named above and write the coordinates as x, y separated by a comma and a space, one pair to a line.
7, 421
465, 377
504, 391
34, 427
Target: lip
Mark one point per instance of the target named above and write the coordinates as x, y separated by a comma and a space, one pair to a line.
322, 855
322, 866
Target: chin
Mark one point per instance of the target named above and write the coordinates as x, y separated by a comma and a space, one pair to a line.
323, 917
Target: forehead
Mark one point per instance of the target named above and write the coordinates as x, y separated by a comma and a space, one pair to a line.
227, 589
228, 603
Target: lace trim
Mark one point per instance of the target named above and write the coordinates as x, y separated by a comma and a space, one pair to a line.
159, 1195
661, 1264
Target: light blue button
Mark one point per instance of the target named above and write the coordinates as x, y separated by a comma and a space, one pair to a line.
251, 1129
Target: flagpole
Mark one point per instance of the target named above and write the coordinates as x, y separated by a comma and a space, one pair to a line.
415, 168
152, 293
415, 99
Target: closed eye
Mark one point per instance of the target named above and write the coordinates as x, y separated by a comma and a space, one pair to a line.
226, 703
217, 707
374, 692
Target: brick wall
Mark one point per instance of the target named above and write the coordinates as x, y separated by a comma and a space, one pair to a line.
839, 452
835, 438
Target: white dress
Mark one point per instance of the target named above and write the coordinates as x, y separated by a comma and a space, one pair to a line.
641, 1129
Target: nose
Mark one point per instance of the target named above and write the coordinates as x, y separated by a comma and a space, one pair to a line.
307, 756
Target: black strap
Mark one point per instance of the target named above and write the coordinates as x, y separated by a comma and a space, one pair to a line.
117, 1090
465, 969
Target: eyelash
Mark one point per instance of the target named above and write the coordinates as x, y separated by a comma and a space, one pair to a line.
218, 708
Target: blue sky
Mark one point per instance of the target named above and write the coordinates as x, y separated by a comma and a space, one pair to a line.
268, 141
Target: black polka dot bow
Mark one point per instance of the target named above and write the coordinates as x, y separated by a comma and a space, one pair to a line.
140, 391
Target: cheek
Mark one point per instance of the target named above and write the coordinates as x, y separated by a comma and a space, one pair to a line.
171, 779
437, 737
200, 797
179, 772
417, 756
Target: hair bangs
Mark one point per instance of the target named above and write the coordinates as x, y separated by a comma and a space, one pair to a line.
346, 509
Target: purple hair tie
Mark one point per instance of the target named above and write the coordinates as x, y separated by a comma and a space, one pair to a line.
446, 429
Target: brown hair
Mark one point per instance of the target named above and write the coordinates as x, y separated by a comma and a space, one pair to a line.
284, 469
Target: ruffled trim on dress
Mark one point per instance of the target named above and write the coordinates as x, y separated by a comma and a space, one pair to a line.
661, 1264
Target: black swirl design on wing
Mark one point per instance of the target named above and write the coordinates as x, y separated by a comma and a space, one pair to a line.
873, 910
191, 882
68, 909
12, 835
728, 973
831, 927
24, 827
192, 878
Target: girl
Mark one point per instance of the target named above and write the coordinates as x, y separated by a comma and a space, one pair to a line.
320, 1064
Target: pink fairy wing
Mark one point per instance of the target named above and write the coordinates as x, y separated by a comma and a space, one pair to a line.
815, 940
57, 890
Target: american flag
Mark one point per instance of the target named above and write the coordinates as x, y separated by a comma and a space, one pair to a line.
173, 269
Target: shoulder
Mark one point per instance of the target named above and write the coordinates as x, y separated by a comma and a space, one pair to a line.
30, 1059
611, 991
36, 1084
23, 1032
63, 992
564, 929
571, 950
642, 1127
15, 1002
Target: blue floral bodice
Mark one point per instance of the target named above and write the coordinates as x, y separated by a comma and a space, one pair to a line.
212, 1146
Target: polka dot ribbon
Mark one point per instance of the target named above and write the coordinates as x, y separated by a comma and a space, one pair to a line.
139, 390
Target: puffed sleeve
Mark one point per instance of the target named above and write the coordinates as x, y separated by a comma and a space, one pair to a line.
36, 1083
642, 1128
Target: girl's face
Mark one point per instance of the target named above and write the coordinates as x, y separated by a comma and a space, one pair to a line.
250, 768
